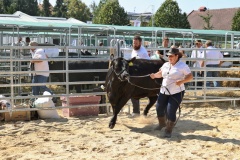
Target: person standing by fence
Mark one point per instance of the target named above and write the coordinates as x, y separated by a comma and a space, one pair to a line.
165, 44
212, 53
198, 63
39, 63
20, 42
139, 52
27, 41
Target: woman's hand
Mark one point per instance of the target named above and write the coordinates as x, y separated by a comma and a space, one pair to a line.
156, 75
152, 75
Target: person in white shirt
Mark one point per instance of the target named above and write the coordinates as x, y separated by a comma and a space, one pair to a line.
27, 39
20, 42
212, 54
38, 57
141, 53
198, 54
165, 44
174, 73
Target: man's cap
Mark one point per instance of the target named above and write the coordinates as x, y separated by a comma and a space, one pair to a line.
33, 43
174, 51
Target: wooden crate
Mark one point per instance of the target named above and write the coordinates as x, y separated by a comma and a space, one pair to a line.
17, 115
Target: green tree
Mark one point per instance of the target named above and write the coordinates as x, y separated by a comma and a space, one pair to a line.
207, 21
79, 10
236, 21
96, 9
4, 6
113, 13
12, 8
46, 9
7, 7
29, 7
169, 15
60, 9
184, 23
26, 6
21, 5
33, 9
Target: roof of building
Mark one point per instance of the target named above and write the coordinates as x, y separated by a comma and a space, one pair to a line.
221, 18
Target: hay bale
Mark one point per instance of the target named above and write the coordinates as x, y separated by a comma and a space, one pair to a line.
232, 74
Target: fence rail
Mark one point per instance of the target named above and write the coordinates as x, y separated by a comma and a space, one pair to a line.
11, 68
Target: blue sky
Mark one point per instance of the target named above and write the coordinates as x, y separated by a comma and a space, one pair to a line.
185, 5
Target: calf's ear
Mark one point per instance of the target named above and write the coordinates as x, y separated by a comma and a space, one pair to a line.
133, 59
130, 62
112, 62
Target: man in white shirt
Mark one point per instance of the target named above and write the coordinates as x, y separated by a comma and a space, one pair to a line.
138, 50
20, 42
212, 54
198, 54
141, 53
165, 44
27, 39
39, 64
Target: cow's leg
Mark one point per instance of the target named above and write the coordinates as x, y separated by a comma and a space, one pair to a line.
114, 118
116, 109
151, 102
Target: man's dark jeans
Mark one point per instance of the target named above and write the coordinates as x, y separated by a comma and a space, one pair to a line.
40, 79
213, 74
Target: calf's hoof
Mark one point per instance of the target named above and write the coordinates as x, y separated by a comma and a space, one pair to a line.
111, 125
145, 113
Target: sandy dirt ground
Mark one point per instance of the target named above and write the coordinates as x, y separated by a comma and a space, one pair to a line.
204, 131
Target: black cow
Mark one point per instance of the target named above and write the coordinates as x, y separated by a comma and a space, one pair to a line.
130, 78
74, 54
78, 65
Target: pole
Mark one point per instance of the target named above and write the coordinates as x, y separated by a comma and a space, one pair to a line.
153, 25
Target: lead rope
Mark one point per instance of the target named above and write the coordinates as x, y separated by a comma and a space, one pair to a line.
141, 86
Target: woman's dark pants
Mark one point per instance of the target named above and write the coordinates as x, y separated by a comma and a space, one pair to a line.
168, 104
